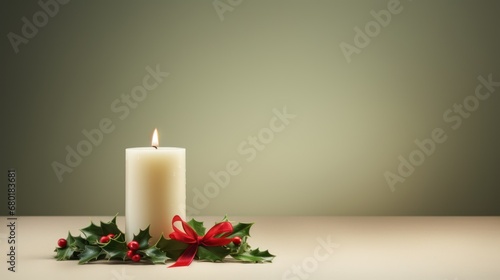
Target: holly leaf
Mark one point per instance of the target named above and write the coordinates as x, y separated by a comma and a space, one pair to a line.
239, 249
254, 256
119, 237
143, 238
156, 255
115, 249
90, 253
92, 233
63, 254
213, 254
197, 226
172, 248
77, 243
162, 243
241, 230
110, 227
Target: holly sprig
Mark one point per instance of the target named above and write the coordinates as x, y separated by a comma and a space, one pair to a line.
107, 242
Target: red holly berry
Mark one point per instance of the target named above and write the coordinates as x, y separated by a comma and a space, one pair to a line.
111, 236
104, 239
133, 245
62, 243
130, 253
136, 258
237, 240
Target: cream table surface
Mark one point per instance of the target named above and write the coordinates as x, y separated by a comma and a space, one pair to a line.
371, 248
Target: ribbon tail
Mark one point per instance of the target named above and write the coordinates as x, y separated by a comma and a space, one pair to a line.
187, 257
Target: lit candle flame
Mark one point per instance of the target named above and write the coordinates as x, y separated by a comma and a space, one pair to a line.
154, 142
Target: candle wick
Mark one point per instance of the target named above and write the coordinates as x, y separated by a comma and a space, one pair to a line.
155, 147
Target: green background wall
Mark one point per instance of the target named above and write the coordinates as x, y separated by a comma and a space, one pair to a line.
232, 65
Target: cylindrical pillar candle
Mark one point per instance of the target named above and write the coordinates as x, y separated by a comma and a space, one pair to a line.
155, 189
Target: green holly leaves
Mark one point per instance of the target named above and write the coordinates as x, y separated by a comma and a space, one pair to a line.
143, 238
88, 247
172, 248
90, 253
155, 255
197, 226
75, 244
93, 232
115, 249
212, 254
254, 256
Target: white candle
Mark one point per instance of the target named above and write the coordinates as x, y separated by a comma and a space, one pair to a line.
155, 189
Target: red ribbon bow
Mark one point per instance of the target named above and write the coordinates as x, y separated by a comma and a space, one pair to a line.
189, 236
